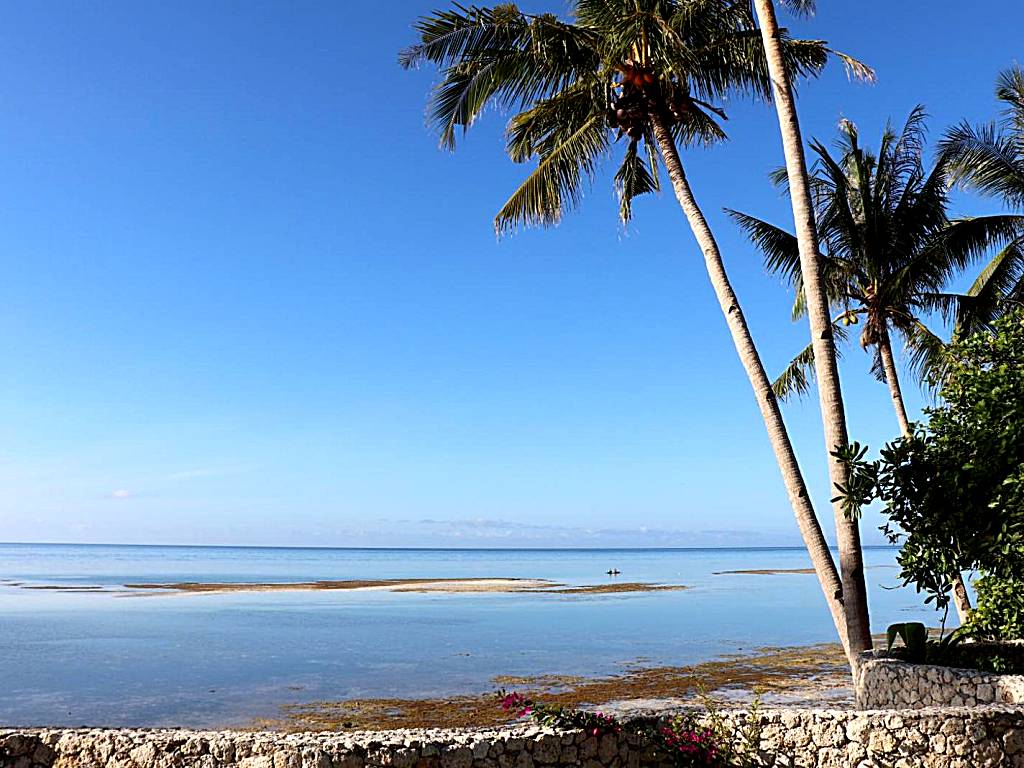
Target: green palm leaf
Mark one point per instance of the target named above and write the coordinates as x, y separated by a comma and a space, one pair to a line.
797, 377
987, 161
556, 184
560, 78
890, 247
633, 179
781, 254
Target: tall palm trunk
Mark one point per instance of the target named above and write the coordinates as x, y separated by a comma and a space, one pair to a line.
961, 599
799, 499
851, 557
893, 380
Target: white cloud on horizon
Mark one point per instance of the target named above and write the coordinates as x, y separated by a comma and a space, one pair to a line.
498, 532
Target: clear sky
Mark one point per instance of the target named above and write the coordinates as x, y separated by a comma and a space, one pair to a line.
247, 300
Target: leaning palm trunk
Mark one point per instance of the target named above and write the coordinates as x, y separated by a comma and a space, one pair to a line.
961, 599
851, 559
810, 529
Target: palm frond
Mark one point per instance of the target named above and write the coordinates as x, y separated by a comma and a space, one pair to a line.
805, 8
997, 285
984, 160
556, 184
539, 130
926, 355
796, 379
446, 36
952, 249
633, 179
698, 127
496, 55
855, 68
736, 63
1010, 91
780, 249
949, 306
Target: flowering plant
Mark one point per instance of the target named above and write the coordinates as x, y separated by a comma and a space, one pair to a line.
690, 744
594, 723
686, 741
515, 702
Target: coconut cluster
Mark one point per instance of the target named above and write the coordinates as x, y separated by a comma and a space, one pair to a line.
639, 93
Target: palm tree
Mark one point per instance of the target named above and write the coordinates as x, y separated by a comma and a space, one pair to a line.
890, 251
990, 159
648, 71
830, 395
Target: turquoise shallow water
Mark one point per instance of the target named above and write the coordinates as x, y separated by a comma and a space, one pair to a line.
222, 659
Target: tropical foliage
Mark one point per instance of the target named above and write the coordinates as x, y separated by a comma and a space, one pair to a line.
580, 88
647, 73
953, 493
990, 159
999, 613
890, 251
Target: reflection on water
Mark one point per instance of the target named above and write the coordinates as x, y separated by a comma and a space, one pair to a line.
217, 659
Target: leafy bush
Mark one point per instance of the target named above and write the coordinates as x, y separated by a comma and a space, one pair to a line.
954, 492
999, 613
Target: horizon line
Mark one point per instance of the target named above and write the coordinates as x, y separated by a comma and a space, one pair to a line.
424, 549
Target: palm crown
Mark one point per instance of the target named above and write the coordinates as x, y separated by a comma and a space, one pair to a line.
890, 248
990, 159
578, 87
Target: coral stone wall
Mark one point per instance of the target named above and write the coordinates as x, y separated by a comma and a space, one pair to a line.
884, 683
981, 737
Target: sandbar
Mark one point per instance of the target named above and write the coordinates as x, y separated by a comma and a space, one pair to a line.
426, 586
393, 585
435, 586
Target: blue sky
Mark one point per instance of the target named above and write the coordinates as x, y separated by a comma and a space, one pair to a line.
247, 300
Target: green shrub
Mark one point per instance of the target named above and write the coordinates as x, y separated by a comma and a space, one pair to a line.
999, 613
953, 491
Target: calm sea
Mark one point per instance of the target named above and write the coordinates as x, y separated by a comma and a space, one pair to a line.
222, 659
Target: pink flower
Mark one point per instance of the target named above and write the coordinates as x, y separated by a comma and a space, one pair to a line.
513, 701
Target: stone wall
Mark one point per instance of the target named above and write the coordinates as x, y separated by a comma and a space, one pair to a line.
982, 737
884, 683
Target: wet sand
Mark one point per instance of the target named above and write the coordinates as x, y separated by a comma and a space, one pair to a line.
814, 675
779, 571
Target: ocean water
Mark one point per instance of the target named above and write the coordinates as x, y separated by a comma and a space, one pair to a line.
208, 660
